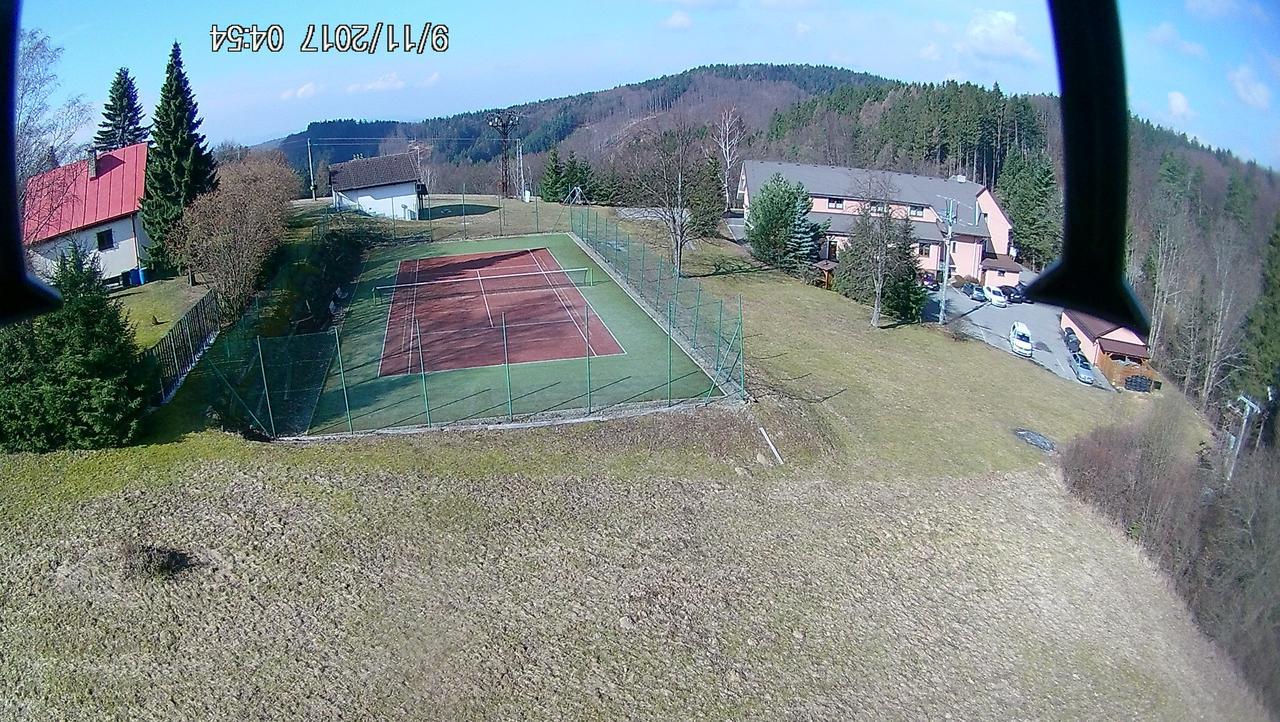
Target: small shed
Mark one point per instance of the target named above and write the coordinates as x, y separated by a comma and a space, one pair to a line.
826, 269
1118, 352
385, 186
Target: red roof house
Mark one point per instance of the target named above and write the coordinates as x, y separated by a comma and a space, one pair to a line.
93, 202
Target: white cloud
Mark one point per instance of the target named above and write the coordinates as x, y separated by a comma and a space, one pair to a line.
678, 20
1213, 9
1179, 106
390, 81
1166, 36
994, 35
930, 52
802, 29
1249, 89
428, 81
306, 90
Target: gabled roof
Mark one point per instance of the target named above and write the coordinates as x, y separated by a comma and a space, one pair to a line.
831, 181
1001, 262
66, 199
1093, 327
369, 172
842, 224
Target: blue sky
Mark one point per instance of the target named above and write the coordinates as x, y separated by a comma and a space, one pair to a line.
1210, 68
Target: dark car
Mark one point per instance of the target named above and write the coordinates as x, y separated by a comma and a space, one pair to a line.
1012, 294
1022, 291
974, 291
1071, 340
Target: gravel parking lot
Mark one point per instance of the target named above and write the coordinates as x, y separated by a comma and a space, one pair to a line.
991, 324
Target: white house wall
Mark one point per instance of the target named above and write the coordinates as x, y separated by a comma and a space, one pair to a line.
125, 256
384, 201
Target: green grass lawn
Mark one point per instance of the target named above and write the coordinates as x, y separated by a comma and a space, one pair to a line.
165, 300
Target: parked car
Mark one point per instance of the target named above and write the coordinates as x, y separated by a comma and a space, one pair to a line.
996, 297
1071, 340
1022, 291
1081, 367
1012, 294
974, 291
1020, 339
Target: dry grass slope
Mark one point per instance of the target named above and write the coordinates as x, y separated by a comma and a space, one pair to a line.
912, 560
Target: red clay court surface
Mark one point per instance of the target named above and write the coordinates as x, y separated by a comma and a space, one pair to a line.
460, 321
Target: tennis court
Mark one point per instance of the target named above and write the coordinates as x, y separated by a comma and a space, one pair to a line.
486, 309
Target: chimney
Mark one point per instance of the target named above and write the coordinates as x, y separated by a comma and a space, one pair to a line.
93, 163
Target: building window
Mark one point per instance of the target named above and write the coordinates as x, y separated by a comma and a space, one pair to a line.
105, 240
878, 207
917, 211
835, 204
1000, 273
923, 249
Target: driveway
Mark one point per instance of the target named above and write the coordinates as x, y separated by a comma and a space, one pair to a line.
991, 324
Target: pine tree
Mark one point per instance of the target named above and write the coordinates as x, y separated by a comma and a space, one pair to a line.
72, 379
706, 201
121, 117
1262, 334
772, 219
552, 187
1029, 192
179, 165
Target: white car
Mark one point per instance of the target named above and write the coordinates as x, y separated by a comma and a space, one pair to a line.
1020, 339
996, 297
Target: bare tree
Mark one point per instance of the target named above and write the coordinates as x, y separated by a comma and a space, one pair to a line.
728, 134
875, 232
44, 132
1166, 262
1223, 328
229, 233
667, 171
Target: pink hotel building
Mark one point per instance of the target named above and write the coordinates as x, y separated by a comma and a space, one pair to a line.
980, 241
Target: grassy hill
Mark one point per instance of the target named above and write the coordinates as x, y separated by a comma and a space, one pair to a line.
911, 558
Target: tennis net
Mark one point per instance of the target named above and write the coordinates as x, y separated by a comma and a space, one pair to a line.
478, 285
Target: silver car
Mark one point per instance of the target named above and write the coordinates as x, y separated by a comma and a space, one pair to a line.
1081, 367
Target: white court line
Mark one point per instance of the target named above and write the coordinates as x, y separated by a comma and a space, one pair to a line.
485, 296
562, 301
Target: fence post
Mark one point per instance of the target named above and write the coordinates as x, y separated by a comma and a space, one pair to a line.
697, 308
670, 312
464, 210
342, 375
506, 365
742, 350
715, 374
422, 369
537, 225
266, 391
586, 334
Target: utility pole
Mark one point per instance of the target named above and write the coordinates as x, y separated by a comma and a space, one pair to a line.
311, 170
946, 261
1249, 409
504, 122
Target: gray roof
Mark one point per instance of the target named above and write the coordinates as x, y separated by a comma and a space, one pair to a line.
842, 224
368, 172
829, 181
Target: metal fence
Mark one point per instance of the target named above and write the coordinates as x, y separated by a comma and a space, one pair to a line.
705, 328
177, 353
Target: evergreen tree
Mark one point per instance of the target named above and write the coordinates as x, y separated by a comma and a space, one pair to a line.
1262, 334
121, 117
904, 297
552, 187
1029, 193
706, 201
805, 237
179, 166
774, 217
72, 379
